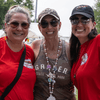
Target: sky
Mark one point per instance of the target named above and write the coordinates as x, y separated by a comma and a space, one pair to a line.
64, 9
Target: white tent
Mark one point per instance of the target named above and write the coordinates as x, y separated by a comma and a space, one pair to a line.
34, 28
1, 33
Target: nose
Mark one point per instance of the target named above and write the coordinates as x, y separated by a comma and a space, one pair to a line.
49, 26
79, 23
19, 27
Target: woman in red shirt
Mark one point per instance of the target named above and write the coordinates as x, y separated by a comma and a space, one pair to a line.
17, 23
85, 53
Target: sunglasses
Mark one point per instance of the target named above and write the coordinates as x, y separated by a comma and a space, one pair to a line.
76, 20
16, 24
45, 24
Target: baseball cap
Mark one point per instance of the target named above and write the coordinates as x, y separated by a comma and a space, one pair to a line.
46, 12
84, 10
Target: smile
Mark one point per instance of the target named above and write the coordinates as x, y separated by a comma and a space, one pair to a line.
79, 30
18, 34
49, 32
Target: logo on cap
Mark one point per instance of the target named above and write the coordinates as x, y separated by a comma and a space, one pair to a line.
81, 7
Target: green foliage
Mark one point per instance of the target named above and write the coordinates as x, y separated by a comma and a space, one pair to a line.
97, 14
5, 4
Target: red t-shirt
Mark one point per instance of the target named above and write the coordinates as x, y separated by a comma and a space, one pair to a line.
87, 71
9, 63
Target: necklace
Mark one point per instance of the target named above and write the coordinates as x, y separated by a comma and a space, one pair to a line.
51, 75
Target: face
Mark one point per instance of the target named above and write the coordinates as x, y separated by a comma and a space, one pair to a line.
17, 28
81, 27
49, 27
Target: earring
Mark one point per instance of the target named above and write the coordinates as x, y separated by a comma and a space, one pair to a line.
27, 39
6, 37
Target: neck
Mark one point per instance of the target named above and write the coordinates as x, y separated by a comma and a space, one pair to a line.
53, 52
16, 47
51, 44
83, 40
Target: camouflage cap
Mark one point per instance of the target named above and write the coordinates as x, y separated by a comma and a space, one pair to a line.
46, 12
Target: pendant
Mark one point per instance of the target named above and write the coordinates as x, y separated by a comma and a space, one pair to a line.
49, 80
54, 68
50, 75
48, 66
51, 97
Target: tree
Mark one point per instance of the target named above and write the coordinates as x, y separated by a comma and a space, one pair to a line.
97, 14
5, 4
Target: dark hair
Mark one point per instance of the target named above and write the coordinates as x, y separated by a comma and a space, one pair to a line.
75, 44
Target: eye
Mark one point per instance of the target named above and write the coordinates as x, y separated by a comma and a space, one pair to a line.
85, 21
14, 24
25, 25
74, 21
44, 24
54, 21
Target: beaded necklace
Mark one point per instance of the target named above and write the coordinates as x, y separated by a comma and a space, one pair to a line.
52, 75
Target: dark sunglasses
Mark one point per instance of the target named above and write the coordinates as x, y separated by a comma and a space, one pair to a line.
76, 20
45, 24
16, 24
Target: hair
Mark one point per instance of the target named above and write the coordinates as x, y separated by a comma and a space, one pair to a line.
17, 9
75, 44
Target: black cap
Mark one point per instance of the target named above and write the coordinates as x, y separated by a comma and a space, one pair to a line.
84, 10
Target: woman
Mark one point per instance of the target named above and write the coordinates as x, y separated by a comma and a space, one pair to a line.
84, 51
51, 60
17, 22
